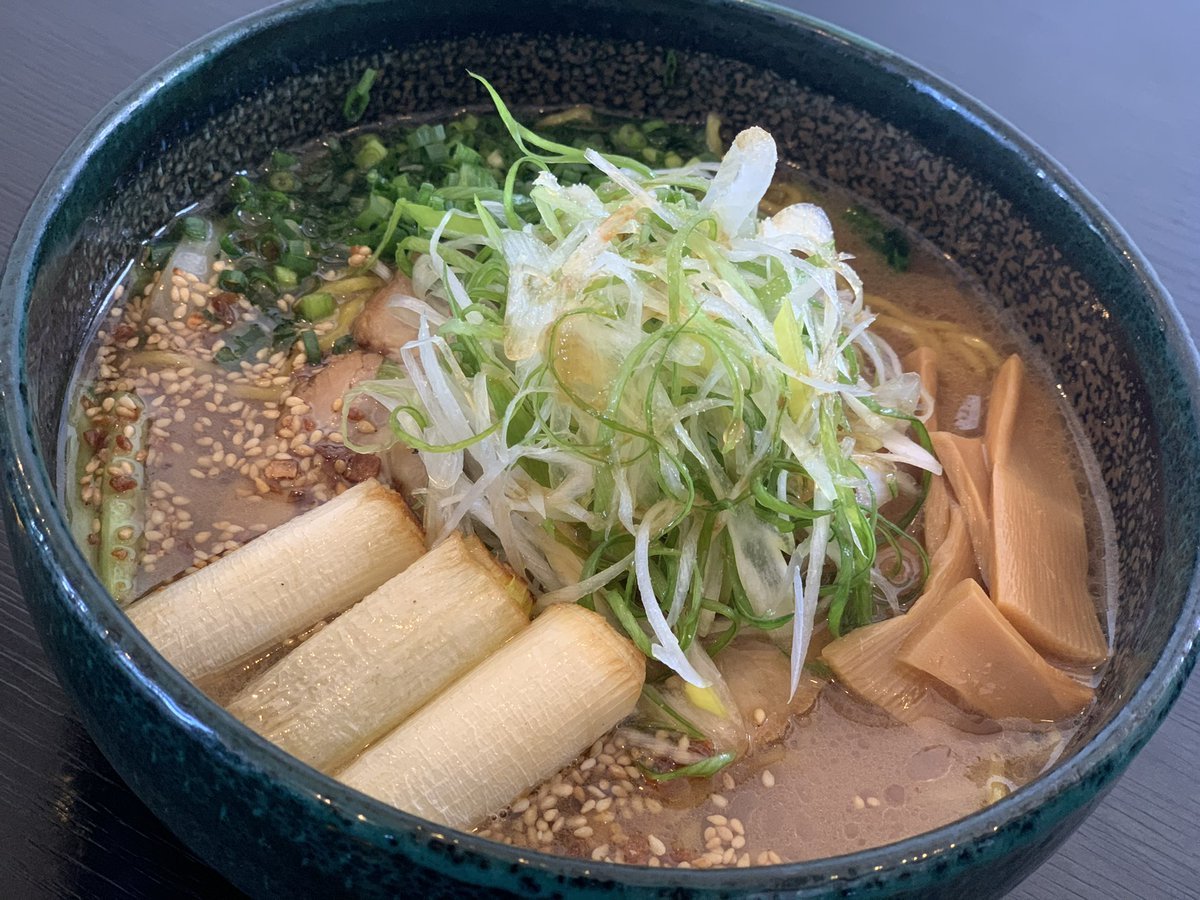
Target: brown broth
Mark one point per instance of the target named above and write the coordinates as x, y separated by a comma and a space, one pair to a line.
843, 777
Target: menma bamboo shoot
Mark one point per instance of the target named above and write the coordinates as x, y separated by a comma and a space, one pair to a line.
1003, 410
865, 659
937, 513
954, 559
386, 656
1039, 541
282, 583
972, 649
508, 724
966, 470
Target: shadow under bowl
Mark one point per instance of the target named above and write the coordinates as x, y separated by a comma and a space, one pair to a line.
840, 108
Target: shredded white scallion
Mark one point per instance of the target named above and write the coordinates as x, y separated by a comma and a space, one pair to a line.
652, 399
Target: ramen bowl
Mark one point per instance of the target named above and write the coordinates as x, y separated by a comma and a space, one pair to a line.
842, 109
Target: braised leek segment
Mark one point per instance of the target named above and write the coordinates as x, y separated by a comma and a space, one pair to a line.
282, 583
508, 724
386, 656
626, 381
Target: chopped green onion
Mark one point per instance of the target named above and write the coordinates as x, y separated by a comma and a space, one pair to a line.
312, 349
359, 96
283, 181
629, 137
377, 210
230, 247
285, 277
670, 69
371, 152
195, 228
317, 306
232, 280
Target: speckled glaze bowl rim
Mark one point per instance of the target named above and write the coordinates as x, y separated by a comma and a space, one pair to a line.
38, 512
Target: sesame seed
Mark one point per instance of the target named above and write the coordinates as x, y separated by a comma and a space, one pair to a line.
768, 779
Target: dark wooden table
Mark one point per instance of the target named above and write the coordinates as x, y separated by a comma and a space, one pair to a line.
1110, 89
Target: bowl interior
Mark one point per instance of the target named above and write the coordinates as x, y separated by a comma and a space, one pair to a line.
839, 109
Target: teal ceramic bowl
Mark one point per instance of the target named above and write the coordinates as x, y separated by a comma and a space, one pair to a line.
841, 108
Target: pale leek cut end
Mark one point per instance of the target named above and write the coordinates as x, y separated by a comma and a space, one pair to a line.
385, 657
278, 585
509, 724
972, 649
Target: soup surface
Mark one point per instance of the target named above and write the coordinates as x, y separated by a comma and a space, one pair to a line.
236, 338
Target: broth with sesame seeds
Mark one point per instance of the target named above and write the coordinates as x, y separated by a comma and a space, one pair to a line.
246, 417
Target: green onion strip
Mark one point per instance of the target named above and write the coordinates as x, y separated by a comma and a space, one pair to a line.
654, 402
